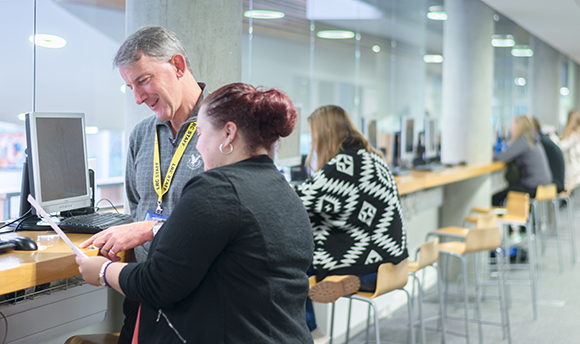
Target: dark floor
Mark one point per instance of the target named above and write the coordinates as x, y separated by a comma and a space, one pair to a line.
558, 307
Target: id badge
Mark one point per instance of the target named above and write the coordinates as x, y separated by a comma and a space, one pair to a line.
153, 216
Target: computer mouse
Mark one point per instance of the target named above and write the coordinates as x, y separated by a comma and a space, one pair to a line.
24, 243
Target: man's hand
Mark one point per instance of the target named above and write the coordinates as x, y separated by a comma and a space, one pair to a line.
120, 238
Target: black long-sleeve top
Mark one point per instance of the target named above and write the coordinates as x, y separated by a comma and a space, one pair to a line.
229, 265
356, 216
555, 161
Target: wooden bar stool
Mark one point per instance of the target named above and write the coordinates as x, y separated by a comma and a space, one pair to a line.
483, 220
390, 277
427, 255
478, 240
104, 338
566, 196
517, 214
547, 194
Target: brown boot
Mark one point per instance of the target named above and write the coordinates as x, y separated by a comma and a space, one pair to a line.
332, 287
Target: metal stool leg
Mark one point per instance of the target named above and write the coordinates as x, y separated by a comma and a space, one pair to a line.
332, 323
555, 204
570, 208
478, 300
441, 313
532, 264
502, 296
420, 306
348, 322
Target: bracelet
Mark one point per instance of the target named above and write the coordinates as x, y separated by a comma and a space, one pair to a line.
103, 272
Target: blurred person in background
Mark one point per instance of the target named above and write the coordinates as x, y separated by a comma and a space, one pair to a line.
570, 146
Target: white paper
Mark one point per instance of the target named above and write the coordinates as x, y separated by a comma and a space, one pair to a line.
59, 231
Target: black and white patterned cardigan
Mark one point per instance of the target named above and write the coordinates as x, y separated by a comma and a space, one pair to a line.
355, 212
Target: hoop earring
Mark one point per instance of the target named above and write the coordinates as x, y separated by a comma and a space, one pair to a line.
222, 149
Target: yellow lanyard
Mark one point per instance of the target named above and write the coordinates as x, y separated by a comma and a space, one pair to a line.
161, 189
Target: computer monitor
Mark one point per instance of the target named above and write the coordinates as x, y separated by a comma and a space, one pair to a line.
396, 149
407, 145
56, 171
430, 139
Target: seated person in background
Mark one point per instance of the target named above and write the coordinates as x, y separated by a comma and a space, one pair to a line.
554, 155
570, 146
527, 152
229, 264
354, 209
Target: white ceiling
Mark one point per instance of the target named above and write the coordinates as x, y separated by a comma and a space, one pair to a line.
556, 22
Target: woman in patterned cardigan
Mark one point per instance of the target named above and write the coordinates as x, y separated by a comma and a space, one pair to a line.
353, 205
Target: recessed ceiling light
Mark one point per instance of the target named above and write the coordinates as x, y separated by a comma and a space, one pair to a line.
123, 88
48, 41
501, 41
522, 51
22, 117
264, 14
433, 58
376, 48
564, 91
436, 13
520, 81
335, 34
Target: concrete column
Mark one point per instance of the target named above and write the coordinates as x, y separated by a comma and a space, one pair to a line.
576, 93
211, 31
574, 86
574, 81
467, 82
545, 82
466, 130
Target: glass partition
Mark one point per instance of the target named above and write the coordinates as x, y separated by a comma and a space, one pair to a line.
365, 56
69, 69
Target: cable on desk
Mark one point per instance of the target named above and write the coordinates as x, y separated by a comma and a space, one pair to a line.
111, 203
25, 215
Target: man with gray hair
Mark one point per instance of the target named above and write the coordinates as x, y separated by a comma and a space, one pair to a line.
162, 156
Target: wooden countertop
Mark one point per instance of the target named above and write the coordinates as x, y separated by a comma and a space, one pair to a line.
53, 261
419, 180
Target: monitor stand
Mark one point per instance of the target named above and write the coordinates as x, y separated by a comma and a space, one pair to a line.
31, 223
400, 169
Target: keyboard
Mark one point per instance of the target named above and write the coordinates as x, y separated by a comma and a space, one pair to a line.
93, 223
6, 246
430, 167
400, 171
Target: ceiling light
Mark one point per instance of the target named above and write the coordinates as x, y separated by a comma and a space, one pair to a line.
335, 34
48, 41
564, 91
500, 41
522, 51
520, 81
436, 13
91, 130
496, 17
264, 14
123, 88
376, 48
22, 117
433, 58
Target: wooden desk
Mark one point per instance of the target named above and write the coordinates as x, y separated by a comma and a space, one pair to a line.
420, 180
53, 261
